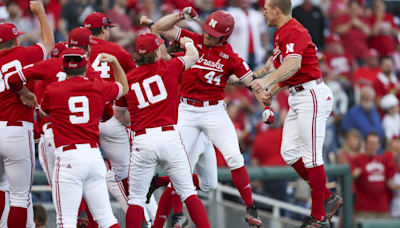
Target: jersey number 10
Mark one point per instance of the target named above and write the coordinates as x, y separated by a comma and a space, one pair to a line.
150, 96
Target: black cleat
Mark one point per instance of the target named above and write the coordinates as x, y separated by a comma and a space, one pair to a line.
179, 220
152, 188
312, 222
332, 205
252, 217
83, 220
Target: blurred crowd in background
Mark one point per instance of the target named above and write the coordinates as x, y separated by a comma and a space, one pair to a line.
359, 53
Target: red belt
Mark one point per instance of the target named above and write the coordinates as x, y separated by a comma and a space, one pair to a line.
163, 128
14, 124
73, 146
299, 88
199, 103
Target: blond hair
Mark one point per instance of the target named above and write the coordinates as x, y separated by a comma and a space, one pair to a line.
284, 5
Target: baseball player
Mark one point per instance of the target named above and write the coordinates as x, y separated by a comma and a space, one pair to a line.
310, 104
202, 92
75, 107
16, 119
152, 104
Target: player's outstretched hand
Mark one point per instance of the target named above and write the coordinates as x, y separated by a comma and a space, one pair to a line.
268, 115
144, 20
258, 85
267, 99
36, 7
184, 40
189, 13
269, 65
28, 99
107, 58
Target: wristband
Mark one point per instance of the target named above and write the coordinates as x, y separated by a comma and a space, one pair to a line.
151, 24
267, 108
188, 44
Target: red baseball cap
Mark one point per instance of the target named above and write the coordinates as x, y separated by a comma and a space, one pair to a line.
80, 37
370, 53
97, 20
58, 49
74, 58
333, 38
8, 32
147, 43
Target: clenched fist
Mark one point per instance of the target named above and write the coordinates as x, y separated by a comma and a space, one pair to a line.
189, 13
185, 40
268, 115
36, 7
107, 58
144, 20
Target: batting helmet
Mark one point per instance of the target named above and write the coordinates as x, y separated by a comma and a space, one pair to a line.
219, 24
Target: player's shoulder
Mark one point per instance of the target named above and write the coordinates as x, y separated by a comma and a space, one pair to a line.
226, 53
111, 48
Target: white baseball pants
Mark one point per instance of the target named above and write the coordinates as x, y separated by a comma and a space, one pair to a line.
304, 128
46, 152
3, 218
153, 148
78, 172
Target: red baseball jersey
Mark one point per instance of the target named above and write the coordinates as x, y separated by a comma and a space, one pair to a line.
206, 80
48, 71
12, 61
106, 69
341, 64
75, 107
153, 97
293, 41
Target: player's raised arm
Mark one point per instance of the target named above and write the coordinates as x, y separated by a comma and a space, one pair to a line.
119, 73
166, 25
192, 54
144, 20
47, 34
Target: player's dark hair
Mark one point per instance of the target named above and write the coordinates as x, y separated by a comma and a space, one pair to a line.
145, 59
97, 31
75, 72
40, 215
174, 48
383, 58
371, 134
284, 5
10, 3
7, 45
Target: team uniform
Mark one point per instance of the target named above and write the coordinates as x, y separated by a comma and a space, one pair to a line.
75, 107
16, 126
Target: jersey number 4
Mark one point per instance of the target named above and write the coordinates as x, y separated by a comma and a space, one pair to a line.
83, 109
150, 96
210, 76
101, 67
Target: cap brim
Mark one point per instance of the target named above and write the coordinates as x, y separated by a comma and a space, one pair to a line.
162, 41
211, 31
112, 25
21, 32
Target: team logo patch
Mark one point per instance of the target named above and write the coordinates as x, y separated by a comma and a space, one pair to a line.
157, 42
142, 51
71, 65
14, 30
74, 42
88, 25
104, 20
90, 39
55, 51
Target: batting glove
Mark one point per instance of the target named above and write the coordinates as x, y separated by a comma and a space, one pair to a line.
268, 115
189, 13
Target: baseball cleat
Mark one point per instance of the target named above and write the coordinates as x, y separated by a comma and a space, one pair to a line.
144, 224
152, 188
179, 220
252, 217
83, 220
312, 222
332, 205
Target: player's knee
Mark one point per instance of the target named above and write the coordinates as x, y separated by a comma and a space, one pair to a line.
235, 162
289, 155
139, 201
122, 173
16, 201
208, 186
106, 220
311, 162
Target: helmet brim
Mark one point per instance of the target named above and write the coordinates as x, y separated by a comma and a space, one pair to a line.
211, 31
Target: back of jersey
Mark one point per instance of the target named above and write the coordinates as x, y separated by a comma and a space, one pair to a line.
153, 97
12, 61
105, 69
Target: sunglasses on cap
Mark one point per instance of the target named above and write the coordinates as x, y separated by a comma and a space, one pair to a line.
108, 22
74, 58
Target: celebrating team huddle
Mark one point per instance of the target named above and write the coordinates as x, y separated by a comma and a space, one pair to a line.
155, 108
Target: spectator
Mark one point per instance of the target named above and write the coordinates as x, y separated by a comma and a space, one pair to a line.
395, 187
3, 11
386, 82
396, 60
39, 215
391, 120
31, 36
250, 34
73, 15
354, 30
311, 17
383, 30
364, 117
179, 4
391, 154
123, 33
351, 148
337, 8
152, 11
368, 73
371, 177
393, 7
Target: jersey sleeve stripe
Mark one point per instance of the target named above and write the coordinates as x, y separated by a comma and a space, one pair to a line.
43, 113
44, 50
119, 108
182, 60
292, 56
21, 76
178, 34
246, 75
120, 90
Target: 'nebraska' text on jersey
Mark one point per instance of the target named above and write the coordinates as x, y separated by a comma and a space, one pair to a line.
293, 41
206, 80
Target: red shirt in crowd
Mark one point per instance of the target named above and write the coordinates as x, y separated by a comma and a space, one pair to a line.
384, 85
371, 188
75, 107
383, 42
293, 41
354, 41
267, 148
12, 61
153, 97
366, 76
206, 80
341, 64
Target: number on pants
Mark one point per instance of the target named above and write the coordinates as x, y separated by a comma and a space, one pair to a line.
146, 85
61, 76
210, 78
102, 67
85, 116
4, 69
